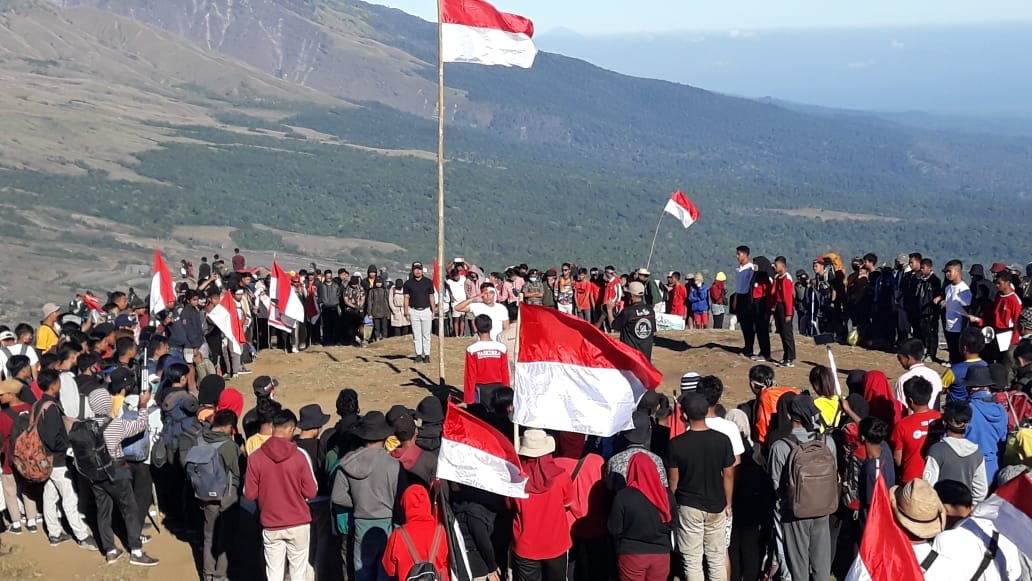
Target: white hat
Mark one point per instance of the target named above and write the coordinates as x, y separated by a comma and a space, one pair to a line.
7, 336
49, 309
536, 443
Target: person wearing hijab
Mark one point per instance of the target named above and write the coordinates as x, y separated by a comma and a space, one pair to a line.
539, 544
640, 522
590, 557
476, 512
880, 398
422, 532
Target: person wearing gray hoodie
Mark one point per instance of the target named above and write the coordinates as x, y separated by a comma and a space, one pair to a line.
369, 482
956, 457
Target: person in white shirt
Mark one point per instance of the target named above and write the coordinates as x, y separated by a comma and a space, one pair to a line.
955, 302
910, 356
968, 540
922, 516
741, 301
484, 304
9, 347
456, 286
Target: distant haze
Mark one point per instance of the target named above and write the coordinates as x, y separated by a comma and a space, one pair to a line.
979, 69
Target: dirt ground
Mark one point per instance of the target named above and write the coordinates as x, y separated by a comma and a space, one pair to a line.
384, 374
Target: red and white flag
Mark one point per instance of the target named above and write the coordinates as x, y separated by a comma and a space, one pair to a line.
571, 376
225, 316
680, 207
1010, 510
475, 454
885, 551
285, 307
312, 311
92, 303
473, 31
162, 293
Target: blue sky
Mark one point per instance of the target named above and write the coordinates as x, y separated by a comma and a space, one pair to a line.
615, 16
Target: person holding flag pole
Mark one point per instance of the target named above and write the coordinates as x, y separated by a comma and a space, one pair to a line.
680, 207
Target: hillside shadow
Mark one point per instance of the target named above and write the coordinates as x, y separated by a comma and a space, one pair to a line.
712, 345
677, 346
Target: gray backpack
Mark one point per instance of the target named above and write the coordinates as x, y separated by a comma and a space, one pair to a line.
206, 472
812, 481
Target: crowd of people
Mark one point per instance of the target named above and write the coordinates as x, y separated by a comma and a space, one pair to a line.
118, 421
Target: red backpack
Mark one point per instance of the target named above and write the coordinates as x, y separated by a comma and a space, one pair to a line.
30, 457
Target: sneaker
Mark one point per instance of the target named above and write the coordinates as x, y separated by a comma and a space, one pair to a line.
788, 363
88, 544
144, 539
15, 528
244, 372
31, 526
61, 538
113, 556
756, 357
142, 559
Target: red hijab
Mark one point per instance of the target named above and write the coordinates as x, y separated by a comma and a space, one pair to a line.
540, 473
642, 475
881, 399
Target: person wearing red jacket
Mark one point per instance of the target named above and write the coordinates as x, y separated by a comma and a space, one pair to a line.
541, 538
782, 308
1003, 318
487, 365
425, 537
281, 480
760, 293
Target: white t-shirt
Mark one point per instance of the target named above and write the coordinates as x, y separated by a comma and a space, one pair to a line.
19, 349
457, 289
958, 298
729, 429
499, 316
744, 278
921, 370
966, 544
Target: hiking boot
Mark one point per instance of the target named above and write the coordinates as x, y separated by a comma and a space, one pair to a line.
142, 559
31, 527
113, 556
61, 538
88, 544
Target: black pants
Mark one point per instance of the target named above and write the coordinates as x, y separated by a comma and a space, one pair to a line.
927, 330
902, 326
718, 321
142, 489
786, 332
379, 329
761, 327
748, 547
953, 346
540, 570
592, 560
314, 334
111, 494
744, 312
330, 325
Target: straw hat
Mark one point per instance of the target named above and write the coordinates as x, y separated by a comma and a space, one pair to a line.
536, 443
917, 508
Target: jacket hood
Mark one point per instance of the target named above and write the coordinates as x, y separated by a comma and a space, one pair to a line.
279, 449
407, 455
961, 446
361, 463
987, 407
416, 503
213, 437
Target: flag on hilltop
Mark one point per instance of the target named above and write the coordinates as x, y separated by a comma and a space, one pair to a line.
570, 376
1010, 510
885, 551
285, 307
92, 303
475, 454
162, 293
680, 207
226, 318
473, 31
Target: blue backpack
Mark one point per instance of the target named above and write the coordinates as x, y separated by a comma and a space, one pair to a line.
136, 448
206, 472
178, 434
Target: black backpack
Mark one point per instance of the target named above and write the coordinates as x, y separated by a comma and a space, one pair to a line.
421, 570
92, 458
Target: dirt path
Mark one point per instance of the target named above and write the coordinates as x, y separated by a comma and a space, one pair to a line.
383, 375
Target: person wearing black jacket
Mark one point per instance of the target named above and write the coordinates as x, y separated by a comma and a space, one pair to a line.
188, 330
923, 310
59, 487
328, 293
476, 512
640, 522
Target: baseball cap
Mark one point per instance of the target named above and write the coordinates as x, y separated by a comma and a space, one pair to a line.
690, 381
263, 384
636, 289
124, 322
7, 336
416, 265
997, 267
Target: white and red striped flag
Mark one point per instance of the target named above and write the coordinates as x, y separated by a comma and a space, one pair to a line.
680, 207
571, 376
225, 316
92, 303
475, 454
473, 31
885, 551
285, 307
1010, 511
162, 293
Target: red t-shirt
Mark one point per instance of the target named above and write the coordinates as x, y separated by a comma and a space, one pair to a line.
540, 530
677, 305
486, 362
6, 427
910, 437
586, 293
1005, 314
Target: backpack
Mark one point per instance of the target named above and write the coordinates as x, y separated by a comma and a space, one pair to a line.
188, 440
92, 458
206, 472
421, 570
136, 448
812, 482
175, 423
852, 478
30, 457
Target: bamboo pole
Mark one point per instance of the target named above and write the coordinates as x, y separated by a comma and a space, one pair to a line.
655, 237
440, 188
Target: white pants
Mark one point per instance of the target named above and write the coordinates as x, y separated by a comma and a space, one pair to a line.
59, 487
286, 546
422, 327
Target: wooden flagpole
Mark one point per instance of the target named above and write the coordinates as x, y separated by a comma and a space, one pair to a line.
440, 188
654, 238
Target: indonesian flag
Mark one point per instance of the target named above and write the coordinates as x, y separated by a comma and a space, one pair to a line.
91, 302
224, 315
285, 308
473, 31
312, 305
1010, 510
680, 207
570, 376
162, 294
475, 454
885, 551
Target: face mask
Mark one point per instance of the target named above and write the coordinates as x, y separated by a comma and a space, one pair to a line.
533, 279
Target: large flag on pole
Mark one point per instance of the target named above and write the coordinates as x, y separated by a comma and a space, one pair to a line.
885, 551
473, 31
224, 315
1010, 510
571, 376
285, 307
680, 207
475, 454
162, 292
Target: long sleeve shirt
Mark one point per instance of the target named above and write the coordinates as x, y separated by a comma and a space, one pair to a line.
52, 430
120, 429
783, 293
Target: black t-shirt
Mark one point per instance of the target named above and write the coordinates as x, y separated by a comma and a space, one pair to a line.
637, 326
700, 458
419, 292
